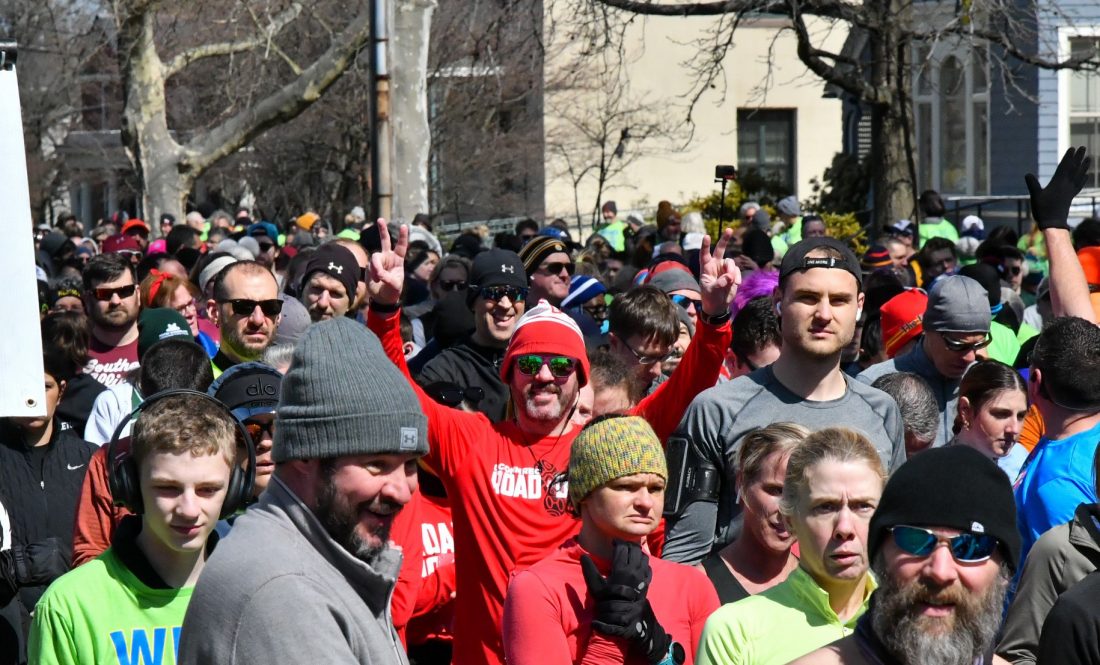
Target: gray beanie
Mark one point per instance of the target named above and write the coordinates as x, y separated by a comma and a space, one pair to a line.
957, 304
343, 396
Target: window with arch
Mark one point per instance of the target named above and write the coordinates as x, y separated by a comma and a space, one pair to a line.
951, 119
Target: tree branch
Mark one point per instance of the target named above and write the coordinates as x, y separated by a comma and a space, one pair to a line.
815, 60
265, 37
283, 104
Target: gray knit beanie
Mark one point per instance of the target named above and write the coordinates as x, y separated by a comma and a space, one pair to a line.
343, 396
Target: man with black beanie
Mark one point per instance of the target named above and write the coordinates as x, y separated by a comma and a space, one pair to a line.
496, 293
330, 282
944, 545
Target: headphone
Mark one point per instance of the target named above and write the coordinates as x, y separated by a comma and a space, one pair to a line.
122, 471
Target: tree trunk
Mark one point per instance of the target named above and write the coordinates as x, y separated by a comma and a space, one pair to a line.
153, 152
412, 136
892, 132
892, 185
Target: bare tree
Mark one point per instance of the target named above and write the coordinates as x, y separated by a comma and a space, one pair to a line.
57, 40
600, 128
260, 67
878, 76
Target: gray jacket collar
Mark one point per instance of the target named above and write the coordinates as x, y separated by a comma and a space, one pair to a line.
372, 582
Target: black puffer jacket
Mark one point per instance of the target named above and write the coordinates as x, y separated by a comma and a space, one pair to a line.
41, 492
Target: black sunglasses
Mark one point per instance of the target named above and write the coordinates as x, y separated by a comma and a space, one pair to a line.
459, 285
256, 430
104, 294
451, 394
498, 293
245, 307
556, 267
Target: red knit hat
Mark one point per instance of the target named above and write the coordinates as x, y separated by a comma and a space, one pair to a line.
901, 319
546, 330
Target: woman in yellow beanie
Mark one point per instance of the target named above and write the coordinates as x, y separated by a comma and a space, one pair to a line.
600, 596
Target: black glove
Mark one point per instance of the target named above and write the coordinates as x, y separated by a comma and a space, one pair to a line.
36, 564
622, 609
1050, 206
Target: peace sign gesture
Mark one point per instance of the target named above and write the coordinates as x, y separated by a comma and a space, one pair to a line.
387, 267
718, 276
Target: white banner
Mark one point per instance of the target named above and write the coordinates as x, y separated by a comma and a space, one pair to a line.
22, 390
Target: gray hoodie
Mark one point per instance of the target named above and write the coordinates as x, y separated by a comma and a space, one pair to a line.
279, 589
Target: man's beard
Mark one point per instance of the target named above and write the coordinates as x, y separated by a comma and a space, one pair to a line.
235, 343
545, 413
117, 319
921, 640
341, 520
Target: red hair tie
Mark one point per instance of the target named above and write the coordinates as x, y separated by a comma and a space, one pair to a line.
155, 286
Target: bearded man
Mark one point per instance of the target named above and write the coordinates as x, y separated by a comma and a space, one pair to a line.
943, 543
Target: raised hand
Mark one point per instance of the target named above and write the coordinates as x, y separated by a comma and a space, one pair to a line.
387, 267
1050, 205
718, 276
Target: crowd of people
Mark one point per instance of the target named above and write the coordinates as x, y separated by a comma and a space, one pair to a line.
319, 442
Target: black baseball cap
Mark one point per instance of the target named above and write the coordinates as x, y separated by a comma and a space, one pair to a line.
795, 259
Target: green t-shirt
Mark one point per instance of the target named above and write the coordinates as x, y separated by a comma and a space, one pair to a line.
776, 626
1005, 345
937, 229
101, 613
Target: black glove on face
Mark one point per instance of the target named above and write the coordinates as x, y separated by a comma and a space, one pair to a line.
622, 609
1050, 205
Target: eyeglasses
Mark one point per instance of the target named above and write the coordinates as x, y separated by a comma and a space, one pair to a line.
556, 268
456, 285
1013, 270
451, 394
497, 293
244, 307
104, 294
966, 547
560, 366
186, 306
131, 254
256, 430
687, 303
959, 346
266, 246
649, 360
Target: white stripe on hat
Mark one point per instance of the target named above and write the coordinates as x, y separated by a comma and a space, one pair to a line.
544, 312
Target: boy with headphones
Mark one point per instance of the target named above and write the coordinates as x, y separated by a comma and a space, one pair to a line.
180, 476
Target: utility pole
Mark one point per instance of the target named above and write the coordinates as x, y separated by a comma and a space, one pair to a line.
381, 202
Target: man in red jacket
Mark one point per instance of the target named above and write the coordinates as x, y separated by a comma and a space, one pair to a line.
510, 506
599, 598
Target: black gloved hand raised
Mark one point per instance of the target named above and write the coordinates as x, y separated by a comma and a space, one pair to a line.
622, 609
1050, 205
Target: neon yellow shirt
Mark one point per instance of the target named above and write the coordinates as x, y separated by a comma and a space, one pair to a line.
777, 626
929, 229
101, 613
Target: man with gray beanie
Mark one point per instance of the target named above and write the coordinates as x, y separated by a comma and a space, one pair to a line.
956, 328
497, 293
943, 545
308, 572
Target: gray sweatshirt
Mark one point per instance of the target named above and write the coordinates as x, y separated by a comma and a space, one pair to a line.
279, 589
720, 417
